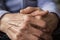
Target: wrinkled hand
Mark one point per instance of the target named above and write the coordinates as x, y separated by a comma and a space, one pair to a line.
28, 25
17, 27
43, 19
20, 28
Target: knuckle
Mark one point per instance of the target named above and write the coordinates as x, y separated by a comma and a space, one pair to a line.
27, 17
23, 29
38, 17
29, 7
22, 11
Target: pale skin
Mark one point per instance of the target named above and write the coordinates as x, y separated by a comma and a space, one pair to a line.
20, 26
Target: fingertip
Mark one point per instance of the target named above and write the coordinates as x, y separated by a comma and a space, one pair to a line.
22, 11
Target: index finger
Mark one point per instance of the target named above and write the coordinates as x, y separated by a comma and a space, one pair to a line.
29, 10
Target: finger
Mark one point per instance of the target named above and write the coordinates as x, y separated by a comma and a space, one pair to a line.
23, 26
28, 10
40, 23
25, 37
39, 13
31, 37
25, 22
34, 31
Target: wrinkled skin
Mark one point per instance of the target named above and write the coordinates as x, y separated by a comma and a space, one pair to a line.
29, 25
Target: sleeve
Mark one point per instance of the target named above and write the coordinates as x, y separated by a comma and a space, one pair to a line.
48, 5
2, 8
2, 12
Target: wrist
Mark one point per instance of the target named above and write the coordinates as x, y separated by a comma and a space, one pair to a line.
2, 12
1, 18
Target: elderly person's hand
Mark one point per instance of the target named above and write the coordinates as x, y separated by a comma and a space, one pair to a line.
30, 24
50, 19
44, 21
17, 26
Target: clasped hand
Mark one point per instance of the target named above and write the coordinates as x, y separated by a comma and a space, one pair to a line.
29, 24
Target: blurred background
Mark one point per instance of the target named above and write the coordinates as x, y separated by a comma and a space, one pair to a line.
58, 3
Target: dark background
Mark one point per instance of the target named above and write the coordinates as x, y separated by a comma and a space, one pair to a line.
58, 3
